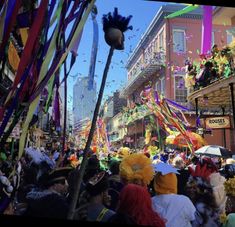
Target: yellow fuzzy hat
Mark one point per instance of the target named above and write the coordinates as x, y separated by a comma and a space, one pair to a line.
123, 152
137, 168
165, 184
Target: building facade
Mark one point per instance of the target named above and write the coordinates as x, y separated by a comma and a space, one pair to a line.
159, 59
84, 99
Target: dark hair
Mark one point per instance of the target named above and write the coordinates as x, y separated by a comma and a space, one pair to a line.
114, 167
99, 187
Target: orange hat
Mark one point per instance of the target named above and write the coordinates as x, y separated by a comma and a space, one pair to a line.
165, 184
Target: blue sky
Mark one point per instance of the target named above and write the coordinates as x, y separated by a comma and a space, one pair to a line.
143, 12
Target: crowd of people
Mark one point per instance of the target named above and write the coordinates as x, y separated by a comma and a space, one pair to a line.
123, 188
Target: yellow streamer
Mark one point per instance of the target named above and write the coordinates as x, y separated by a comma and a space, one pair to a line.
13, 57
24, 35
44, 69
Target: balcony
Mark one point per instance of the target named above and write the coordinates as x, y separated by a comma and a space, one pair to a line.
143, 72
215, 94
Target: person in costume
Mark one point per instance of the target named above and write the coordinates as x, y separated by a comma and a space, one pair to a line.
135, 205
182, 177
94, 200
178, 210
136, 168
206, 191
50, 201
115, 184
228, 219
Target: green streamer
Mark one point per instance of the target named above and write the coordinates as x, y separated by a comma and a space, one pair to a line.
181, 12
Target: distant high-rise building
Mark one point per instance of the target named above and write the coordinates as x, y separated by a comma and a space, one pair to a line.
84, 99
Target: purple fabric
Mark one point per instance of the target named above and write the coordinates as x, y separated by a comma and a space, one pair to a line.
10, 8
198, 121
23, 19
56, 106
156, 97
93, 53
57, 59
72, 15
177, 105
4, 204
14, 103
76, 44
206, 29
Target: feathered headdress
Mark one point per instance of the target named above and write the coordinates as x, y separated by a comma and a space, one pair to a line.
116, 21
137, 168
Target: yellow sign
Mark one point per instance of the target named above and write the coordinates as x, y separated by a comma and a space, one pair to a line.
218, 122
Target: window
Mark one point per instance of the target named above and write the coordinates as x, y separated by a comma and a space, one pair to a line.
158, 86
163, 83
212, 39
179, 43
229, 38
156, 44
180, 89
161, 40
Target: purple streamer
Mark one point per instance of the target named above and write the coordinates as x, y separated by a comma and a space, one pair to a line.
23, 19
177, 105
14, 102
10, 8
56, 106
76, 44
198, 124
57, 59
4, 204
93, 52
156, 97
206, 29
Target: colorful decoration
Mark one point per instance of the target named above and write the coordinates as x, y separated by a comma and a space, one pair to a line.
137, 168
230, 186
206, 29
196, 139
187, 9
206, 25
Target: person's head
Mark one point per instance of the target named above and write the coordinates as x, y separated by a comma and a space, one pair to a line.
114, 167
97, 188
195, 160
56, 180
230, 161
165, 184
229, 186
178, 162
135, 201
136, 168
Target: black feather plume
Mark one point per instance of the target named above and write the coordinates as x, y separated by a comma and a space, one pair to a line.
115, 20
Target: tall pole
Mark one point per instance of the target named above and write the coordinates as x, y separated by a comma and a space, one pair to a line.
233, 109
80, 172
65, 107
224, 132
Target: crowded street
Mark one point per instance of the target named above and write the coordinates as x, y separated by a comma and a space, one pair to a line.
117, 115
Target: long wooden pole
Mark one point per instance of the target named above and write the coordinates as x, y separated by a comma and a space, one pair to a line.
81, 170
65, 107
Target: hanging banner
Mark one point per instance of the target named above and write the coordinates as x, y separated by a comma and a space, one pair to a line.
218, 122
206, 29
183, 11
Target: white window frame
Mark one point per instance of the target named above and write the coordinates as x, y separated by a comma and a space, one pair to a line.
161, 40
228, 33
179, 30
156, 86
163, 88
182, 76
212, 39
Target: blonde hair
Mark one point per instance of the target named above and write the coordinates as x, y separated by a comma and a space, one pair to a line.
230, 161
178, 162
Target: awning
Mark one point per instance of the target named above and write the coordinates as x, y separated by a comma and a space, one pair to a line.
215, 95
